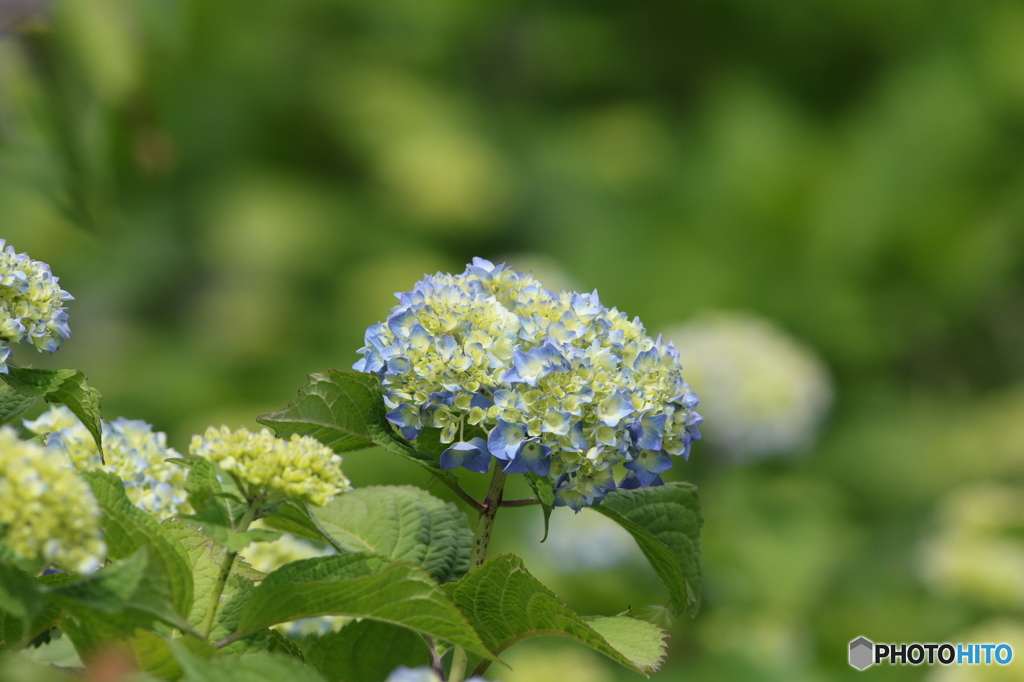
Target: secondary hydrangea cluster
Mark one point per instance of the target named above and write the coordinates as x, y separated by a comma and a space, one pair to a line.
31, 304
763, 392
299, 467
552, 383
133, 452
975, 550
270, 556
46, 510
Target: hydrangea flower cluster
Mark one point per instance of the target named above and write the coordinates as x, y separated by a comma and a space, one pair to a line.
31, 304
555, 384
764, 392
299, 467
270, 556
975, 551
46, 510
133, 453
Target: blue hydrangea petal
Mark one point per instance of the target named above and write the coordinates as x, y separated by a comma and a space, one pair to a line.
532, 456
472, 455
407, 418
505, 439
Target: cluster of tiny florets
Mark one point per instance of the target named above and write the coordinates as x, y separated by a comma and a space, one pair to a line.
556, 384
31, 304
299, 467
764, 392
133, 452
46, 511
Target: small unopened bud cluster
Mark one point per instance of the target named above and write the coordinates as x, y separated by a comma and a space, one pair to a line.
299, 467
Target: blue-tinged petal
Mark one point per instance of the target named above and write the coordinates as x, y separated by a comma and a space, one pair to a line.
527, 368
407, 418
615, 408
419, 337
481, 401
471, 455
647, 465
652, 428
401, 323
647, 361
446, 346
556, 422
576, 437
505, 439
445, 398
631, 482
532, 456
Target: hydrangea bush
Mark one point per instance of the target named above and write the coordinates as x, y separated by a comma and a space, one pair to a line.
253, 557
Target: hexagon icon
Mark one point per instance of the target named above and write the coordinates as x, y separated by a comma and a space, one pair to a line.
861, 653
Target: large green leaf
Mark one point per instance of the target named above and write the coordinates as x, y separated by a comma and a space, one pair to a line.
130, 587
366, 651
66, 386
665, 521
19, 596
12, 628
506, 605
126, 529
13, 403
206, 560
401, 523
639, 641
335, 407
259, 666
345, 411
360, 585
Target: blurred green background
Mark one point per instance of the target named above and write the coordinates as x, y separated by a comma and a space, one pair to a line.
233, 190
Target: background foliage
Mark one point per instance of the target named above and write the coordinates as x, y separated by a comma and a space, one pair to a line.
233, 191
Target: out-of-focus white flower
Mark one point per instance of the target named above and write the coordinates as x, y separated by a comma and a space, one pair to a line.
996, 631
46, 510
977, 548
763, 392
133, 452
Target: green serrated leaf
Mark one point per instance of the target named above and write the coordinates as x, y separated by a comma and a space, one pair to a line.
259, 666
13, 404
639, 641
235, 540
83, 400
126, 529
506, 604
12, 628
544, 489
367, 651
206, 559
19, 596
360, 585
36, 382
400, 523
66, 386
345, 411
334, 407
129, 587
296, 518
665, 521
